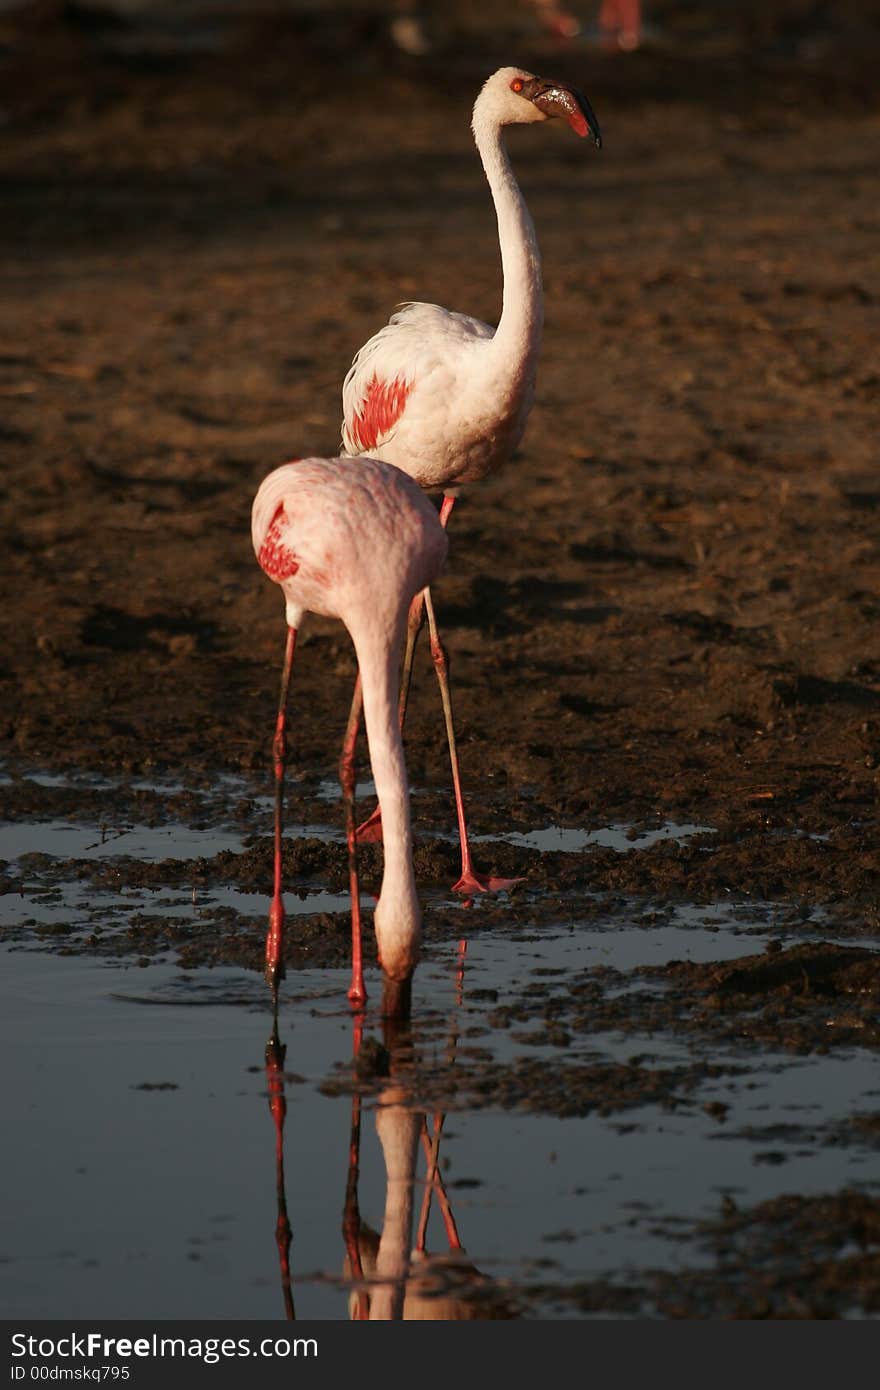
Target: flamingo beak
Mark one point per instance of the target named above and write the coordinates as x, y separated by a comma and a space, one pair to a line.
554, 99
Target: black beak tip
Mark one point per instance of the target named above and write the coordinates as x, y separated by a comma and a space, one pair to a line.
589, 116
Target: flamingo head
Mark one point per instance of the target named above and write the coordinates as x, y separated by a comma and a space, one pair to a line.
516, 97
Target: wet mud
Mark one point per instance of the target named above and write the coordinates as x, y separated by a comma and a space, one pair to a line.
793, 1258
663, 612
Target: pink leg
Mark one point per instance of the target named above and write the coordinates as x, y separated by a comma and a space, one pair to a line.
370, 830
622, 19
459, 978
278, 1106
434, 1183
630, 23
557, 20
422, 1229
351, 1216
357, 994
275, 935
414, 626
470, 881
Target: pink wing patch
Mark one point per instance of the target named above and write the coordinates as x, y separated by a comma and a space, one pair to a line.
382, 408
276, 558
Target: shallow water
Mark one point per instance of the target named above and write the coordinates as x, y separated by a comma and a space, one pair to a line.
142, 1150
623, 838
142, 1158
65, 841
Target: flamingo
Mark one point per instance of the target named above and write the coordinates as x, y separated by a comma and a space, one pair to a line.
444, 396
354, 541
399, 1282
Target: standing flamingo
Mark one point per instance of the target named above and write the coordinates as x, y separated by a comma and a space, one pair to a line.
444, 396
354, 541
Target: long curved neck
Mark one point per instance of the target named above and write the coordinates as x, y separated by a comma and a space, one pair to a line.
518, 336
398, 1128
397, 917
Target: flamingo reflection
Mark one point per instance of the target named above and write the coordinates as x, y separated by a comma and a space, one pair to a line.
275, 1053
392, 1279
391, 1276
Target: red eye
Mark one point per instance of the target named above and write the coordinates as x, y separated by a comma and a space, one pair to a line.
517, 84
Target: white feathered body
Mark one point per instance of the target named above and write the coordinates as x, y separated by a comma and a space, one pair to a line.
440, 394
353, 540
428, 394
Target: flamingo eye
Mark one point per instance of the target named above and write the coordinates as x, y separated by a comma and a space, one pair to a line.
517, 84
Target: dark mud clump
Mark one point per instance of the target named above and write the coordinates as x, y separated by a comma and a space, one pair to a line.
793, 1257
809, 998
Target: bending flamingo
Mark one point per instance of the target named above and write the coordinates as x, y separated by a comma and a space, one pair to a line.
444, 396
392, 1279
354, 541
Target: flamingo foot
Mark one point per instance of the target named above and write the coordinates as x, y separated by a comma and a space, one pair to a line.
369, 832
471, 883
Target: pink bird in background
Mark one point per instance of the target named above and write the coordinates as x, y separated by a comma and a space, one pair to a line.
619, 22
354, 541
446, 397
